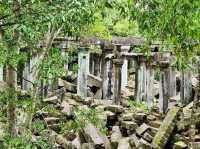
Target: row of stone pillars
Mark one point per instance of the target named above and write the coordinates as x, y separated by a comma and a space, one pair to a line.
115, 77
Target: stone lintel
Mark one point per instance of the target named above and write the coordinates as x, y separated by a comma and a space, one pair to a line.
164, 64
82, 49
118, 62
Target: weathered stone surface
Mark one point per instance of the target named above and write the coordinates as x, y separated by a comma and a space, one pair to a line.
147, 137
67, 109
92, 134
129, 125
140, 116
134, 141
144, 144
142, 129
63, 142
115, 108
51, 120
124, 144
153, 131
155, 124
127, 116
87, 146
151, 118
166, 128
69, 86
110, 115
180, 145
94, 81
195, 145
115, 136
53, 99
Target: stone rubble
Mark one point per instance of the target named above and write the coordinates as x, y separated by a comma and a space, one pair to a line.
127, 128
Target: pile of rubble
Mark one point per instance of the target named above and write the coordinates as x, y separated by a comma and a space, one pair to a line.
128, 127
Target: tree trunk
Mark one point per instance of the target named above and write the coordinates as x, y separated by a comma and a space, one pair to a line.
12, 83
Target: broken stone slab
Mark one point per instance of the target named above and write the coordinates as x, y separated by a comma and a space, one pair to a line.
151, 118
124, 143
115, 136
67, 109
142, 129
94, 81
147, 137
127, 116
77, 142
153, 131
63, 142
87, 146
155, 124
180, 145
140, 116
134, 141
69, 86
51, 120
110, 115
144, 144
93, 135
53, 99
98, 94
195, 145
114, 108
129, 125
166, 128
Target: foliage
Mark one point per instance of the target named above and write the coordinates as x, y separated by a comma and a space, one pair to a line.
175, 23
140, 105
38, 125
82, 118
25, 143
53, 66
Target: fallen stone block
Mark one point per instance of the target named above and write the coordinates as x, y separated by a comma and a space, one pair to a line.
69, 86
124, 144
53, 99
134, 141
128, 127
144, 144
140, 116
151, 118
180, 145
155, 124
94, 81
114, 108
195, 145
93, 135
87, 146
51, 120
166, 128
142, 129
147, 137
115, 136
127, 116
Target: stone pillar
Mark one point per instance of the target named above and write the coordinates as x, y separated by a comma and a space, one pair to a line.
150, 85
25, 84
91, 67
164, 88
105, 79
186, 87
172, 80
1, 73
83, 71
97, 65
140, 84
124, 74
117, 80
64, 53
